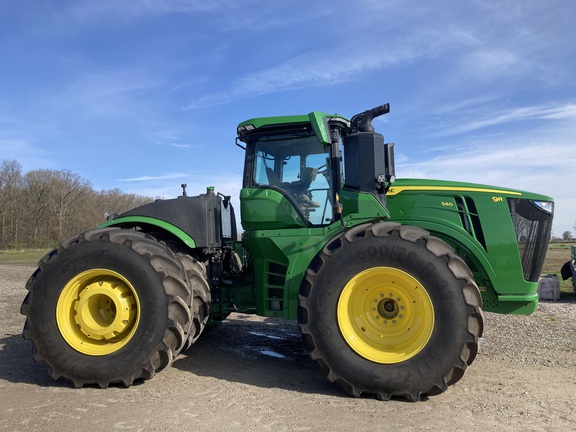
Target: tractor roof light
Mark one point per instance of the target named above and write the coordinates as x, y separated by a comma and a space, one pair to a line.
247, 127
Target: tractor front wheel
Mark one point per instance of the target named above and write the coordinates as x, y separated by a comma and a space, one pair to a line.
390, 310
109, 306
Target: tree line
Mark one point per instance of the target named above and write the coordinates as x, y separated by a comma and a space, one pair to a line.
40, 208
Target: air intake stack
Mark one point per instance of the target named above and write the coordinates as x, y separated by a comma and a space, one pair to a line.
369, 163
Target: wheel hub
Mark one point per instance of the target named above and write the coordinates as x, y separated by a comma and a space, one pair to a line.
98, 312
104, 309
389, 308
385, 315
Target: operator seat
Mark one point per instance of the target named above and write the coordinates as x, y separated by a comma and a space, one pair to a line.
299, 188
273, 179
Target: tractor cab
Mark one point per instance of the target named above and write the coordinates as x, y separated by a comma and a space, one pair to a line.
289, 171
295, 172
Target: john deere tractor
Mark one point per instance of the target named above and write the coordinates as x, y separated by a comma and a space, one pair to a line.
386, 277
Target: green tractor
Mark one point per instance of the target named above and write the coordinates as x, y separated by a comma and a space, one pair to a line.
386, 277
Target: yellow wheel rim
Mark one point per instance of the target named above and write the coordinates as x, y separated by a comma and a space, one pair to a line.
385, 315
98, 312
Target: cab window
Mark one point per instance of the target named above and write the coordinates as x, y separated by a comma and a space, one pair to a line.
297, 166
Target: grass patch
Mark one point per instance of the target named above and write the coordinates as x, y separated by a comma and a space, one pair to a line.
556, 256
27, 257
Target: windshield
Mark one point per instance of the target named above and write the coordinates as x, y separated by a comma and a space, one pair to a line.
297, 165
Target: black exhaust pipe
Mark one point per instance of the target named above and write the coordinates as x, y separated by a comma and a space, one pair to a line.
363, 122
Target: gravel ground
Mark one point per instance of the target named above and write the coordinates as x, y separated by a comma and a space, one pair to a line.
251, 374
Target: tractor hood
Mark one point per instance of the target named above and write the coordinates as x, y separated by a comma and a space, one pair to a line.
497, 229
442, 186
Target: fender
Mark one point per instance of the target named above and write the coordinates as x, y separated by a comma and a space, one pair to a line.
203, 221
150, 224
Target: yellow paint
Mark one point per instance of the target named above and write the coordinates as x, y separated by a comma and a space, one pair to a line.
98, 312
385, 315
399, 189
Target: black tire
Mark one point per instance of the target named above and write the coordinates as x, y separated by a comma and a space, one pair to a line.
382, 286
198, 284
83, 339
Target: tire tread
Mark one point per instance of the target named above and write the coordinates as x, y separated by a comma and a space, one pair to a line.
441, 250
175, 287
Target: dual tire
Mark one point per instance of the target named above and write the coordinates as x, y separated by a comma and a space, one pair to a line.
112, 306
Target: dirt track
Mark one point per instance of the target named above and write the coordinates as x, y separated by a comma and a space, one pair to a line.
251, 374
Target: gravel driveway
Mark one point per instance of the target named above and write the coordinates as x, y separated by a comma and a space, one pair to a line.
251, 374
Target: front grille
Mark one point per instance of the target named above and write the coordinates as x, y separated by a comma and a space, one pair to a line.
533, 227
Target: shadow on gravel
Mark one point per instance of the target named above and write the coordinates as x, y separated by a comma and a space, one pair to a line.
267, 353
18, 366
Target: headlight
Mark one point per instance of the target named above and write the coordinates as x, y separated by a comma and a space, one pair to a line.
545, 206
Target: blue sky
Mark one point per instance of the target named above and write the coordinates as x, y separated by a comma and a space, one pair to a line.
146, 95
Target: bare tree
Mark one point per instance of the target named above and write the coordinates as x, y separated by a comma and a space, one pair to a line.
44, 207
567, 235
37, 201
115, 201
66, 190
10, 197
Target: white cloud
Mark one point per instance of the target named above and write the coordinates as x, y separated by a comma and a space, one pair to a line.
167, 176
489, 63
158, 186
542, 168
334, 65
564, 112
494, 118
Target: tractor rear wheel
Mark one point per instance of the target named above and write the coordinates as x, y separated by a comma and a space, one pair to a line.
109, 306
390, 310
201, 296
